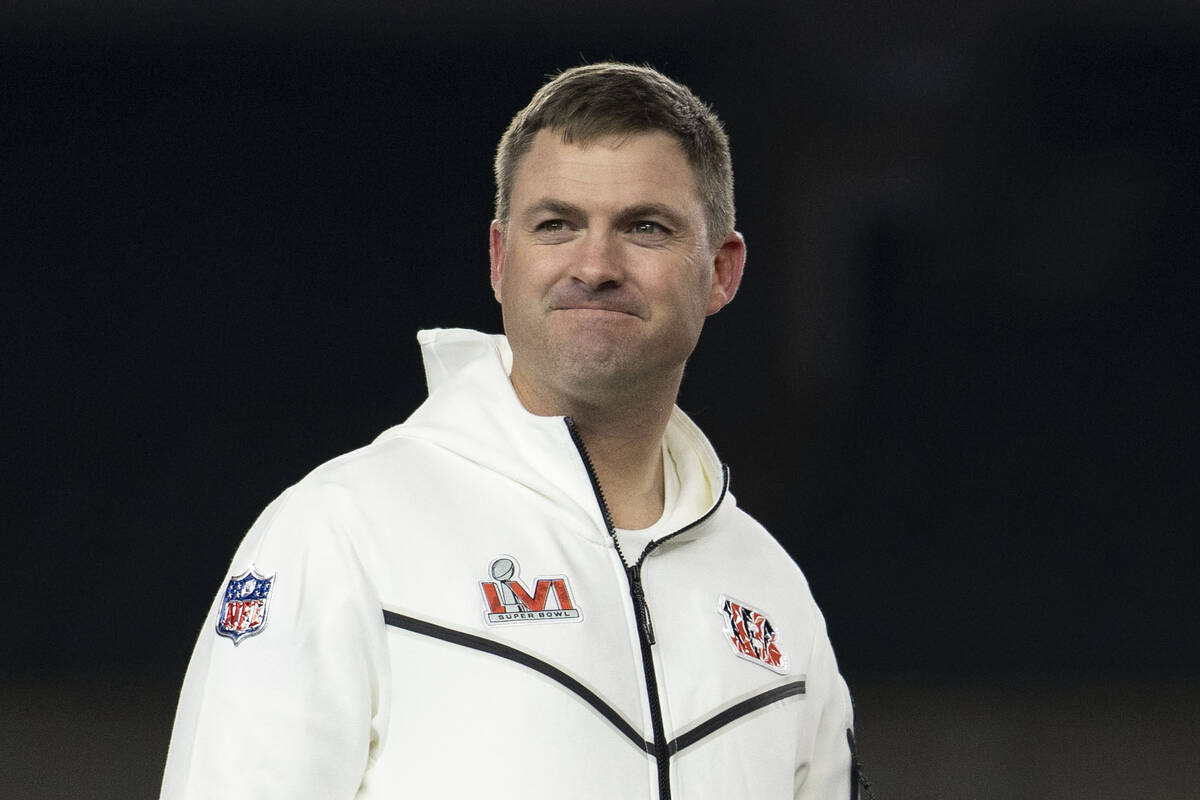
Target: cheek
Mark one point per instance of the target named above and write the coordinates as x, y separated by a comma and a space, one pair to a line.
524, 273
512, 278
523, 290
700, 292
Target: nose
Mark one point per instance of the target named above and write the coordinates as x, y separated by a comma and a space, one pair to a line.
600, 263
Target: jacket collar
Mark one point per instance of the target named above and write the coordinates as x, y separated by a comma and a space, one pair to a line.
473, 411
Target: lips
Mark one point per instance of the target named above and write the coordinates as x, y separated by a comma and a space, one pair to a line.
598, 307
575, 299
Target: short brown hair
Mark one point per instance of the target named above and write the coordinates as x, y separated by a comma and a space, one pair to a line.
587, 102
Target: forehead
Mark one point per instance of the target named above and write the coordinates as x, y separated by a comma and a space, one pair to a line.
623, 169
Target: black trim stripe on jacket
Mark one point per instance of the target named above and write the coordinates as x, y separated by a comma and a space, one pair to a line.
735, 712
695, 734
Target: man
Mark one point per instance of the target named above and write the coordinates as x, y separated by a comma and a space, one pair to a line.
539, 584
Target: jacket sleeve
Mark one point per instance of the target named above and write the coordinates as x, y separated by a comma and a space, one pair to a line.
296, 709
826, 773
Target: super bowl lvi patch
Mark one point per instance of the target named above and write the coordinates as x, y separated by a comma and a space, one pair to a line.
507, 599
751, 634
243, 612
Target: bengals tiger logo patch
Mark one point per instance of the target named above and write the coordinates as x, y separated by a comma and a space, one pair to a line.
751, 634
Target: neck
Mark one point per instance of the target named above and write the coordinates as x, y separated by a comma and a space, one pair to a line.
629, 466
623, 437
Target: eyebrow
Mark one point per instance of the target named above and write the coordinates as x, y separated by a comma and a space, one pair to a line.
548, 205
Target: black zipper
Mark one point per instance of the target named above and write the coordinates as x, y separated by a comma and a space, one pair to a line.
662, 752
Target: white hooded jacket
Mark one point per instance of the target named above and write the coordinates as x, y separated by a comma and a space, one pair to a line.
443, 613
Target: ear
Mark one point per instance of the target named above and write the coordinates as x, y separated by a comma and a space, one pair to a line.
496, 254
729, 261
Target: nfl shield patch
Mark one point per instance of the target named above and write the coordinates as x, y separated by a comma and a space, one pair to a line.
751, 634
244, 610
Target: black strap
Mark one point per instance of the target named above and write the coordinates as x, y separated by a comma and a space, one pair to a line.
858, 781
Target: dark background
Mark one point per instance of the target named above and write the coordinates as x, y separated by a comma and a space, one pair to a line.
959, 382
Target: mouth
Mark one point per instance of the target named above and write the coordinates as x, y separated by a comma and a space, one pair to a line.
600, 310
583, 302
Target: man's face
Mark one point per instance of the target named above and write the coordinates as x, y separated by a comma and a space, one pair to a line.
605, 271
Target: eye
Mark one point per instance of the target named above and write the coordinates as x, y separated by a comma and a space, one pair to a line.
645, 227
552, 226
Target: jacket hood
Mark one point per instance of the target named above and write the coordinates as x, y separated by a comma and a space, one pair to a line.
473, 411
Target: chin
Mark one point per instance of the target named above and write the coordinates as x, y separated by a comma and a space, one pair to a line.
611, 362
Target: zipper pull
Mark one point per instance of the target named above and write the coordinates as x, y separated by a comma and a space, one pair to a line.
639, 604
